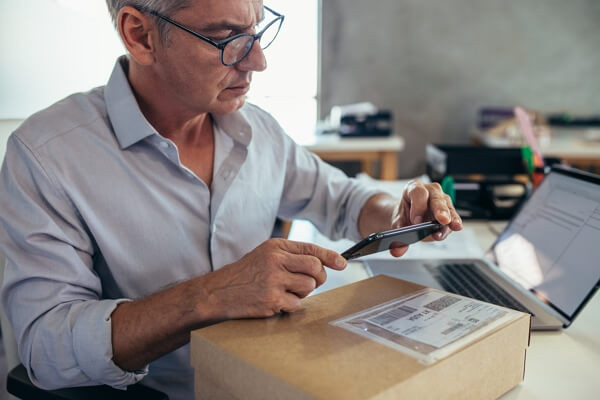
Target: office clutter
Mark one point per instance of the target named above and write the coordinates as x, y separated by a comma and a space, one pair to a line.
559, 137
309, 355
483, 182
496, 118
498, 127
360, 120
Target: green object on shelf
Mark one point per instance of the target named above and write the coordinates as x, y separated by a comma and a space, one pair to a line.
528, 158
448, 188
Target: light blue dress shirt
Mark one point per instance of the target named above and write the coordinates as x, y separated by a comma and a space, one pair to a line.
96, 209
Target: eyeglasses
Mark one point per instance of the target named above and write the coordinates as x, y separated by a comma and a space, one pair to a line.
235, 48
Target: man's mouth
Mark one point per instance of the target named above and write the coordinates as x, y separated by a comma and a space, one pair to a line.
240, 87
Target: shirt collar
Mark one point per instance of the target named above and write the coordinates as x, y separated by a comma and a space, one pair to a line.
235, 125
130, 125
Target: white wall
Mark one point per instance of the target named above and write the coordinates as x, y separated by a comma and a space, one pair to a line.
50, 49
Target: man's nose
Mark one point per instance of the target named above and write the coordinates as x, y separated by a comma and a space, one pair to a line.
255, 60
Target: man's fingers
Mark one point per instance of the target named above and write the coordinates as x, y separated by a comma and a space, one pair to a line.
439, 205
398, 251
300, 284
290, 302
417, 197
456, 223
327, 257
442, 233
308, 265
430, 200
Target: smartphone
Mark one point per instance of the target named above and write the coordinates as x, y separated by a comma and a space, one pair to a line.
386, 240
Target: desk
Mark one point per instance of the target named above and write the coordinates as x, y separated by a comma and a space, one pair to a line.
365, 150
560, 365
576, 148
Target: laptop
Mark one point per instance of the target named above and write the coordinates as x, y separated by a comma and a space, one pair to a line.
546, 261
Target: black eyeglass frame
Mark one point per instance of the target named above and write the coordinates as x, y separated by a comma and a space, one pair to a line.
221, 45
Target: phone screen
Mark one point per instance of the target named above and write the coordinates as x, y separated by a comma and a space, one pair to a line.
386, 240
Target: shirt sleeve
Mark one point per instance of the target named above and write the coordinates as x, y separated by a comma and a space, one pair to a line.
323, 194
51, 293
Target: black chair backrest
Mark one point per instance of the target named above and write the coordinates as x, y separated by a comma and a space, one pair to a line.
19, 385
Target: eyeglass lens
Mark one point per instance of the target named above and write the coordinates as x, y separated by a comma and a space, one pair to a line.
239, 48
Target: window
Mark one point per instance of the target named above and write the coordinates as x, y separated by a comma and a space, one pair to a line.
288, 88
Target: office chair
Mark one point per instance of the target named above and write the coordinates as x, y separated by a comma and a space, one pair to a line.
20, 386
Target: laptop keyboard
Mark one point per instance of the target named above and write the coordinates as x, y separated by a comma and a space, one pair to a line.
466, 280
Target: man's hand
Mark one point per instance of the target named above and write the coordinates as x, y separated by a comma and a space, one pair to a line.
424, 202
270, 279
420, 203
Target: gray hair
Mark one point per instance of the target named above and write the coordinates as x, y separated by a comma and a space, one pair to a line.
164, 7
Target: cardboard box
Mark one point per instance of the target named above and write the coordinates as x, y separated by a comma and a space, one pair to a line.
302, 356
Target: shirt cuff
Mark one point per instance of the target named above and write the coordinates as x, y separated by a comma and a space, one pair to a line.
360, 195
92, 344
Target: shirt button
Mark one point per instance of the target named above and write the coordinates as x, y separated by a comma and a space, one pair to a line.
164, 145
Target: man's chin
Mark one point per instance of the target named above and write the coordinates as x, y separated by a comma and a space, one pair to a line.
230, 106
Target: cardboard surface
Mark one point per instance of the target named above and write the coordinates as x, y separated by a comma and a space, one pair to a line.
302, 356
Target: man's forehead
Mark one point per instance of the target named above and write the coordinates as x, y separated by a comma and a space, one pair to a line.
222, 8
216, 15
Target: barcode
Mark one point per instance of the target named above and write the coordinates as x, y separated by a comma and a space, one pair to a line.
452, 329
442, 303
393, 315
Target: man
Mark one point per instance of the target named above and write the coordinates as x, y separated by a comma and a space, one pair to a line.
142, 210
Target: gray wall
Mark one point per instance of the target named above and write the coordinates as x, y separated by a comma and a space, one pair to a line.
434, 63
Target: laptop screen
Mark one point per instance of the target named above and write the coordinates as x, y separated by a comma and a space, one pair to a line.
552, 245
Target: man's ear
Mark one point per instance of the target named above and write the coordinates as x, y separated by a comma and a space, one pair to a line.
139, 34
